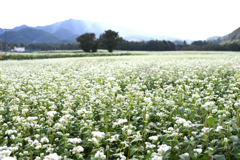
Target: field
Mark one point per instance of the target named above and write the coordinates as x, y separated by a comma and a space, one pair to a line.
60, 54
164, 105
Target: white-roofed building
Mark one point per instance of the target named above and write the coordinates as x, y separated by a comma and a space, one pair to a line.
18, 49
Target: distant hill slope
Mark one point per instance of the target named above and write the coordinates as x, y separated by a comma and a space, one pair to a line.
212, 38
14, 29
31, 35
233, 37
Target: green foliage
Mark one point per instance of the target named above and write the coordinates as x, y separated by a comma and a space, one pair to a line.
204, 46
211, 121
95, 45
12, 45
153, 45
199, 43
88, 42
110, 39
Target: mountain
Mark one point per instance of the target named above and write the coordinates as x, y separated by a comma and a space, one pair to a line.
212, 38
14, 29
233, 37
67, 31
64, 34
31, 35
74, 28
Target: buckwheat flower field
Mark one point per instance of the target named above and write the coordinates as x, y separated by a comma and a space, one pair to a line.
121, 108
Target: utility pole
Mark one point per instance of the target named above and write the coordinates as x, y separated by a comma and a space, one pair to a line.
1, 48
6, 47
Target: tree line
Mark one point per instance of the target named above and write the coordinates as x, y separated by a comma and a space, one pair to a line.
152, 45
208, 46
110, 40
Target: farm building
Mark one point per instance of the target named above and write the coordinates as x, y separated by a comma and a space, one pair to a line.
18, 49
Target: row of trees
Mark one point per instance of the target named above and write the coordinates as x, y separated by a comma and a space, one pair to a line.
208, 46
109, 40
152, 45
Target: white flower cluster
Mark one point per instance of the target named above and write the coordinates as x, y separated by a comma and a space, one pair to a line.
52, 156
74, 140
99, 155
98, 134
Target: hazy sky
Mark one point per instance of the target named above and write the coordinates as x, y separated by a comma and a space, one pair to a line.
185, 19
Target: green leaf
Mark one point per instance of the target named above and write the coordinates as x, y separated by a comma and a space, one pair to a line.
211, 152
202, 158
69, 146
148, 156
132, 152
29, 148
153, 125
164, 137
237, 153
234, 138
211, 121
166, 154
61, 142
181, 110
173, 142
189, 148
136, 140
219, 157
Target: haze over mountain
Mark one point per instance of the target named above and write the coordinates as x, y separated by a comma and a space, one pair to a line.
67, 31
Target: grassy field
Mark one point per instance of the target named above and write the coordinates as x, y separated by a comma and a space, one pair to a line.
61, 54
80, 53
163, 105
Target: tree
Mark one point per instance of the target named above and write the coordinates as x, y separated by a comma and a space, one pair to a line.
12, 45
233, 47
184, 43
110, 39
87, 41
95, 45
22, 45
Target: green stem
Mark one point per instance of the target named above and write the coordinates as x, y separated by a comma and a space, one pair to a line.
129, 147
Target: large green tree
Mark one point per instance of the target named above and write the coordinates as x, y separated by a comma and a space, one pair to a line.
110, 39
87, 42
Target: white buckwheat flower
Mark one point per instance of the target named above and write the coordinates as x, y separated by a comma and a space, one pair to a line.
153, 138
53, 156
98, 134
100, 155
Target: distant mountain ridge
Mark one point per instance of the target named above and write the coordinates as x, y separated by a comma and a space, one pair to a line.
31, 35
67, 31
